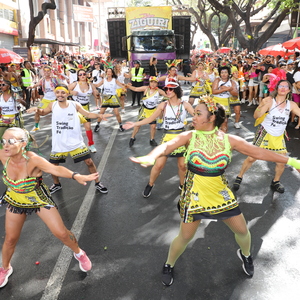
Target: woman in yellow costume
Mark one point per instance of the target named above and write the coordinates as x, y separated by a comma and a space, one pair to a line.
223, 88
149, 104
110, 97
10, 113
205, 193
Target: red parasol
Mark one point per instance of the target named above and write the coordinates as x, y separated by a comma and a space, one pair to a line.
292, 44
8, 56
275, 50
224, 50
206, 51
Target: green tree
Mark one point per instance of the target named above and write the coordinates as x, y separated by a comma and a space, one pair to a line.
133, 3
222, 19
34, 21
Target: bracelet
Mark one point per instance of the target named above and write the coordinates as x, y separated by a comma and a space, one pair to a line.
74, 173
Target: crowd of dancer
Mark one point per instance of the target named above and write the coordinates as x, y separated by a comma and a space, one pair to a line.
64, 86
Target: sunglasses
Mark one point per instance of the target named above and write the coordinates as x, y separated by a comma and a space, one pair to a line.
3, 84
10, 141
169, 89
82, 74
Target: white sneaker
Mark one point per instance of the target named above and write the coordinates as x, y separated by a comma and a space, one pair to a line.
92, 149
123, 111
237, 125
257, 102
250, 103
243, 101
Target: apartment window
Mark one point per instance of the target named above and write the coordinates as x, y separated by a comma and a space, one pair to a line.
7, 14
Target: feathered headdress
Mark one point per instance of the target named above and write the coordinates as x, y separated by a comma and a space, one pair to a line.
275, 77
173, 63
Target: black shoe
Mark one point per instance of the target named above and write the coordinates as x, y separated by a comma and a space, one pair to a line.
132, 104
101, 188
248, 266
292, 124
276, 186
97, 128
131, 142
153, 143
147, 191
167, 275
55, 187
121, 128
237, 183
180, 187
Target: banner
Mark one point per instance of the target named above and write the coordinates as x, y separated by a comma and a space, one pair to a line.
139, 18
83, 13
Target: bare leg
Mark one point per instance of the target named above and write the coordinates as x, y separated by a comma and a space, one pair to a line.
54, 177
157, 168
237, 111
54, 222
135, 131
117, 114
246, 165
91, 166
152, 131
13, 227
181, 169
279, 169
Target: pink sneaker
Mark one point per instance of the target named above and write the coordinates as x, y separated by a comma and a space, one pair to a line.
4, 274
84, 262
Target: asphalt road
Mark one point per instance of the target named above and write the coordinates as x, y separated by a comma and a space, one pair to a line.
127, 236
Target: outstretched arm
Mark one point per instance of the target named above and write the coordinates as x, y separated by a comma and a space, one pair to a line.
45, 166
163, 149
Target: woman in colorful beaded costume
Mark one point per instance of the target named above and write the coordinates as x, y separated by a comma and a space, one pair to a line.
26, 193
205, 193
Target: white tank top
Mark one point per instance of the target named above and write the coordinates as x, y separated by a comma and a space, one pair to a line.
276, 120
224, 94
151, 101
66, 129
83, 97
109, 87
174, 116
49, 91
121, 77
8, 107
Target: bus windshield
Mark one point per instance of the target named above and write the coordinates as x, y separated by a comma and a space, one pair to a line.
165, 43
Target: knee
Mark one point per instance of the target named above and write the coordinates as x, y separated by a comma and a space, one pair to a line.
182, 167
11, 241
62, 234
89, 162
243, 232
187, 236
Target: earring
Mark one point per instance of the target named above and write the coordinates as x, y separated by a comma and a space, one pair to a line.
24, 153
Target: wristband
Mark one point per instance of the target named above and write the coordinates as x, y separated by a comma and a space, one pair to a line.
294, 163
74, 175
146, 160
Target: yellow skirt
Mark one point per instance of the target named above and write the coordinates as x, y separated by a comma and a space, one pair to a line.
179, 152
110, 101
264, 140
224, 102
146, 113
215, 198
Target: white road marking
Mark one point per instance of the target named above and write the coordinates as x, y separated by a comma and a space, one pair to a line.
61, 267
